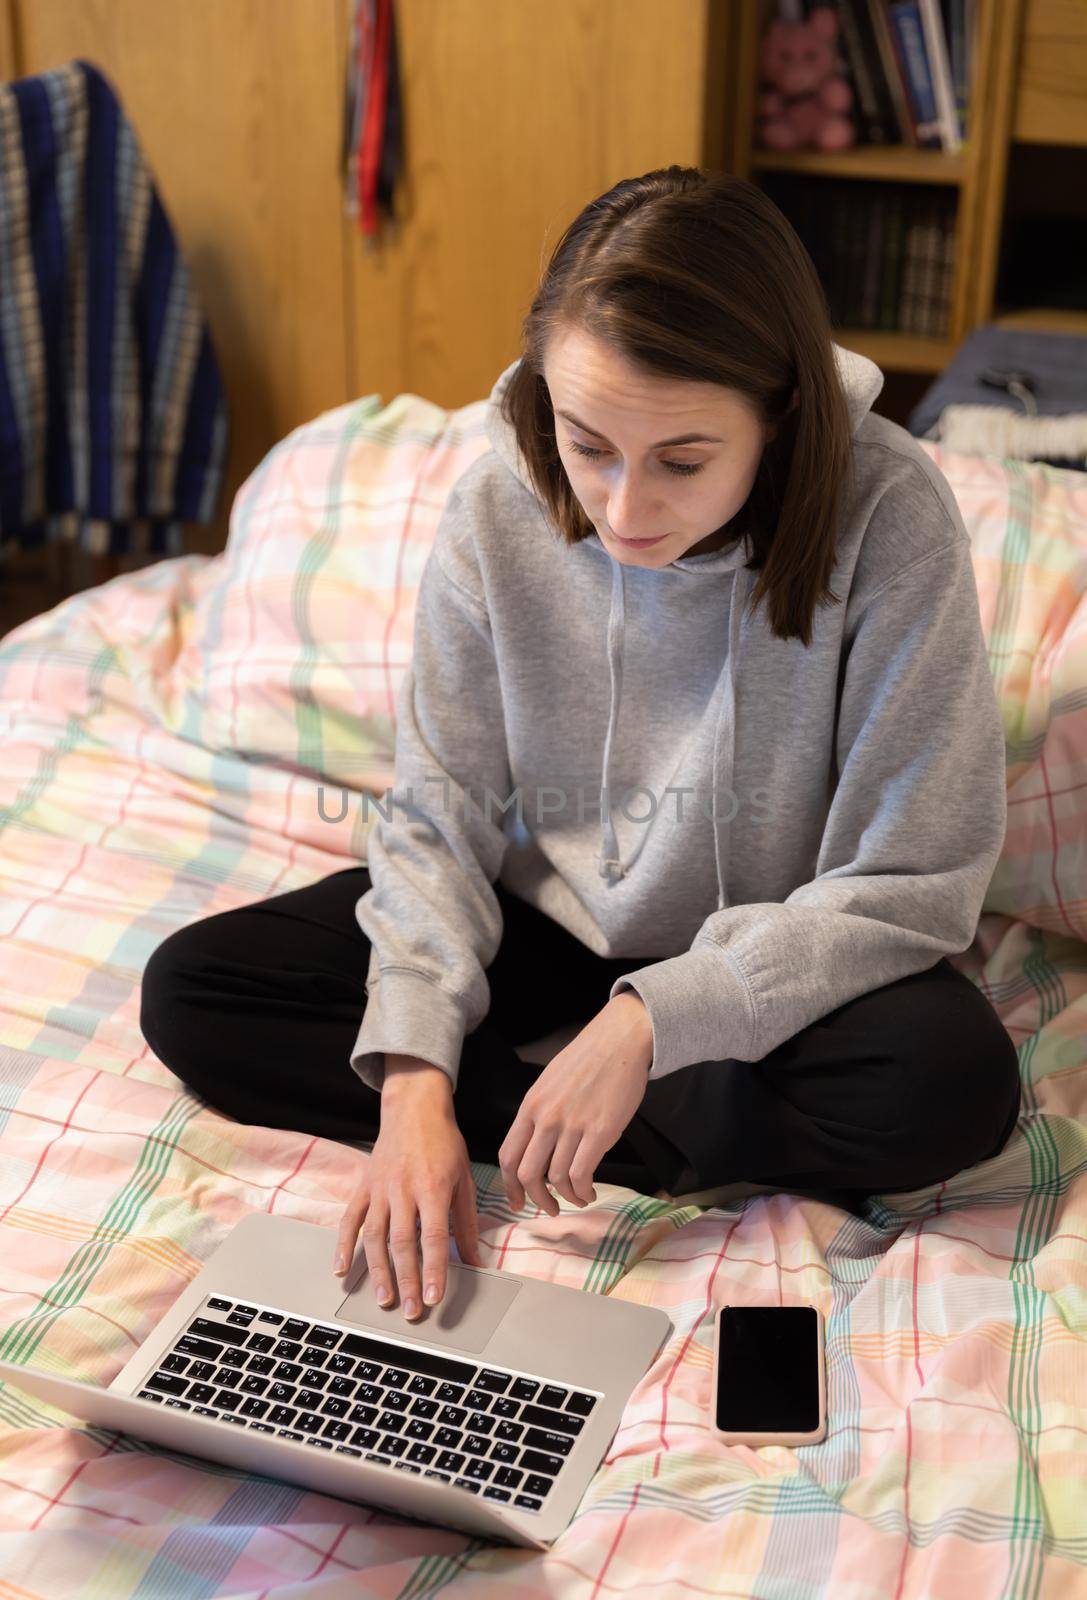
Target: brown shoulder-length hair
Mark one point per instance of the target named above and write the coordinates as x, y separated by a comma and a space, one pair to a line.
699, 275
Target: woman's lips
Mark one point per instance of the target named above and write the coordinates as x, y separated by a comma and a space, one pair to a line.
639, 544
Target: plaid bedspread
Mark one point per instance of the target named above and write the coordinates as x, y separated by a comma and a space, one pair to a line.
131, 802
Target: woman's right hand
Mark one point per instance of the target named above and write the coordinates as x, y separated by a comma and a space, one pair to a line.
418, 1171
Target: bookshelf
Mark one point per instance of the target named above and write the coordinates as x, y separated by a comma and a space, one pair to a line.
970, 181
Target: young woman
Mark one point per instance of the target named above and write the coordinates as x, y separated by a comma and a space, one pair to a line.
699, 749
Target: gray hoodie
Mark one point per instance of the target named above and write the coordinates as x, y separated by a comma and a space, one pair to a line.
773, 828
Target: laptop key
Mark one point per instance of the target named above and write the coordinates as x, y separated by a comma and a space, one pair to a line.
468, 1483
422, 1453
323, 1444
535, 1484
477, 1400
221, 1305
327, 1338
556, 1444
395, 1377
424, 1408
392, 1446
395, 1400
254, 1407
204, 1327
334, 1407
287, 1349
261, 1427
450, 1461
434, 1365
366, 1438
191, 1346
421, 1385
337, 1430
476, 1444
182, 1405
239, 1320
343, 1386
453, 1416
261, 1365
290, 1433
260, 1342
552, 1395
391, 1421
340, 1363
275, 1317
480, 1422
282, 1416
241, 1422
369, 1370
348, 1450
174, 1364
233, 1357
253, 1385
288, 1372
205, 1411
294, 1328
370, 1393
450, 1393
168, 1383
201, 1393
526, 1502
536, 1461
479, 1469
524, 1388
418, 1429
503, 1451
490, 1378
503, 1406
492, 1492
558, 1421
447, 1437
508, 1430
310, 1398
507, 1477
227, 1400
308, 1422
363, 1414
432, 1472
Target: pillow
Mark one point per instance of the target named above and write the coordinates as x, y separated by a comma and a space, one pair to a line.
1027, 523
302, 635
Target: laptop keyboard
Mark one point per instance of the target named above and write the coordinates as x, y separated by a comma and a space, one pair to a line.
506, 1435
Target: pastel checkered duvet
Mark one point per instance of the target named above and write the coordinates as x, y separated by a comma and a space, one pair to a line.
182, 740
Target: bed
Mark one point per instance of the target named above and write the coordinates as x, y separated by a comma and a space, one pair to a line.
204, 732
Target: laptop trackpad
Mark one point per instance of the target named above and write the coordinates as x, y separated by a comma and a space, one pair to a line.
473, 1305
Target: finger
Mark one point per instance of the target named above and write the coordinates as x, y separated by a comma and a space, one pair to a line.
509, 1157
434, 1238
404, 1244
375, 1241
347, 1237
533, 1165
558, 1171
466, 1221
584, 1165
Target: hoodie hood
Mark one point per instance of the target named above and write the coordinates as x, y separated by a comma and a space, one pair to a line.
862, 381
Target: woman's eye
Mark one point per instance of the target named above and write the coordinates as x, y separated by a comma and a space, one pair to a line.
686, 469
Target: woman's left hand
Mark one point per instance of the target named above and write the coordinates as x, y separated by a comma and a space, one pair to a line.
578, 1107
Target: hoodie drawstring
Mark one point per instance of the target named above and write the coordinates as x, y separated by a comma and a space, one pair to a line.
611, 867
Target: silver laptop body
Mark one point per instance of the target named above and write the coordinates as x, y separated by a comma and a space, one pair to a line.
491, 1413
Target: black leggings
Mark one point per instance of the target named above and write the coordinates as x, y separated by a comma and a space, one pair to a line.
257, 1010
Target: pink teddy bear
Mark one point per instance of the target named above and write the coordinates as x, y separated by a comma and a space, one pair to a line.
807, 101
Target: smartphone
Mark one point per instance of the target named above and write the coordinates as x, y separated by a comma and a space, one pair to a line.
769, 1375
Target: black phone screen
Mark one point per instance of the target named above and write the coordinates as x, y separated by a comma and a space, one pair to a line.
768, 1370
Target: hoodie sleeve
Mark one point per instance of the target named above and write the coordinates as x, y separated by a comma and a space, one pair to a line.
436, 844
912, 837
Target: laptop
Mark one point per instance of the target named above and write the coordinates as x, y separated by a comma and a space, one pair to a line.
490, 1413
